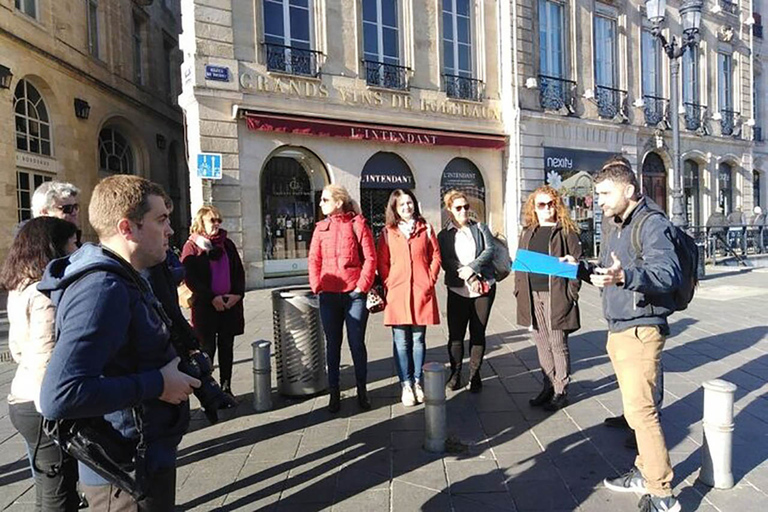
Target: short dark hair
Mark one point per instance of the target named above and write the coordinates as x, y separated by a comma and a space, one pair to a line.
392, 217
618, 169
39, 241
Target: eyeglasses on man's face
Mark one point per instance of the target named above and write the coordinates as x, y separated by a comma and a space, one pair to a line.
68, 209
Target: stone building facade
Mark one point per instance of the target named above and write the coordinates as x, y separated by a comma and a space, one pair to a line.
760, 49
374, 95
590, 81
92, 91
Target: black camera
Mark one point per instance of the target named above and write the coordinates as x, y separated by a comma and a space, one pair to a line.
212, 398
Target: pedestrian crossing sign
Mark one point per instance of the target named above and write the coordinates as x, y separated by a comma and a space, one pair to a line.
209, 166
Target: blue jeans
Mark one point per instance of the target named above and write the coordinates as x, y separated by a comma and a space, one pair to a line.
337, 309
409, 351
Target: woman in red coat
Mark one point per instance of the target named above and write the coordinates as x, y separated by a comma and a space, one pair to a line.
409, 263
214, 272
342, 265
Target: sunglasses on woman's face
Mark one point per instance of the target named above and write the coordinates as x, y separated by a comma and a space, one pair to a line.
215, 220
460, 207
544, 206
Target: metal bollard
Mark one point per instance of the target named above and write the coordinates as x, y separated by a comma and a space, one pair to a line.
262, 376
717, 448
434, 407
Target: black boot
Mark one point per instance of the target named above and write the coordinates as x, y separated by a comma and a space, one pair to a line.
362, 398
475, 383
544, 396
616, 422
558, 401
454, 381
334, 403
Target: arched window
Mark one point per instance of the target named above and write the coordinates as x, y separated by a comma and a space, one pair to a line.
725, 190
654, 181
115, 153
33, 126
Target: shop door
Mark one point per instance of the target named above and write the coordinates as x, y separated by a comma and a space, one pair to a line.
463, 175
382, 174
373, 203
654, 183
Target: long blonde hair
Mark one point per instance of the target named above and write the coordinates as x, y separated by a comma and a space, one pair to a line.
198, 225
562, 215
339, 193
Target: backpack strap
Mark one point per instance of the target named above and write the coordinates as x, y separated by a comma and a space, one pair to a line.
637, 246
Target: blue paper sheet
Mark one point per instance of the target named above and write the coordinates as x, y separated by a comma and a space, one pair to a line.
537, 263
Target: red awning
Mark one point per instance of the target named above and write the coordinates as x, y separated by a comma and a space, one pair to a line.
260, 121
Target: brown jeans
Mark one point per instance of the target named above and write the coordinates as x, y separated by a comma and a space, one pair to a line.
161, 495
635, 354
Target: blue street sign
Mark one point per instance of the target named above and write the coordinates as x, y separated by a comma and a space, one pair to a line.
209, 166
220, 73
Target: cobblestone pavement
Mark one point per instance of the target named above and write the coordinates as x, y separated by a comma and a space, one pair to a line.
504, 455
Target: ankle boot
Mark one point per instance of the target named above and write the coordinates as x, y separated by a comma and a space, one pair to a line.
334, 403
454, 381
558, 401
475, 383
544, 396
362, 398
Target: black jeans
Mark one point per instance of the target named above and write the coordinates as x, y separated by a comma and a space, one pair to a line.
52, 493
475, 312
213, 339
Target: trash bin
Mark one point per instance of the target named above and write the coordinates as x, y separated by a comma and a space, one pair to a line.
299, 347
702, 259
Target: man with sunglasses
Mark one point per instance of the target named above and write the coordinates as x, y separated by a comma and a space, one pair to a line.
58, 199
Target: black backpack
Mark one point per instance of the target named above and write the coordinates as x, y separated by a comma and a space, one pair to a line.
687, 253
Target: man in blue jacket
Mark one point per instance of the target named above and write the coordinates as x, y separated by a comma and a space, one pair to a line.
113, 357
637, 297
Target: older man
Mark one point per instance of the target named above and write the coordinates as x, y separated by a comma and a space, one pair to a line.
57, 199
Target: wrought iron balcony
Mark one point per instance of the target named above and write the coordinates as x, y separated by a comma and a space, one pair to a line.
292, 60
757, 133
694, 116
729, 6
463, 88
389, 76
556, 94
611, 103
728, 121
655, 110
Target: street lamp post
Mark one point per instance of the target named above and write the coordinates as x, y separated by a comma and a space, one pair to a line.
690, 14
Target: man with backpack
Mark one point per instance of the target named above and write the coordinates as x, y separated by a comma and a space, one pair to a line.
639, 272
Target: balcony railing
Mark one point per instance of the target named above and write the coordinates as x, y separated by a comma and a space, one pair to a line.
729, 6
728, 121
655, 110
556, 94
611, 103
463, 88
694, 116
292, 60
389, 76
757, 133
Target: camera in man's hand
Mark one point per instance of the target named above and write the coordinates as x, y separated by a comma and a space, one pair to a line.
212, 398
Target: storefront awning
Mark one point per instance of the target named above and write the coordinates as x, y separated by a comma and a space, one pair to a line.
301, 125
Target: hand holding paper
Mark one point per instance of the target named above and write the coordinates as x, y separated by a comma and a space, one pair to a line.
537, 263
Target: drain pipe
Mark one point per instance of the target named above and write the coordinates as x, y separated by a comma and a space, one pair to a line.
717, 448
434, 407
262, 376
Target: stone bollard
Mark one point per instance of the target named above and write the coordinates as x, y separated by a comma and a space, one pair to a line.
434, 407
717, 448
262, 376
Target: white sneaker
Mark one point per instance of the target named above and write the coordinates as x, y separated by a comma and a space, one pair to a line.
418, 392
408, 398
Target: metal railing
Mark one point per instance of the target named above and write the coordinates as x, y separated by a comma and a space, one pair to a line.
728, 121
737, 241
389, 76
463, 88
694, 116
729, 6
292, 60
611, 102
556, 93
655, 110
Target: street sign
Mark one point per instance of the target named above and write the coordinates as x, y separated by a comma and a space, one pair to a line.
209, 166
220, 73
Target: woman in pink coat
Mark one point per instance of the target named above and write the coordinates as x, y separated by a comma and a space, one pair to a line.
408, 264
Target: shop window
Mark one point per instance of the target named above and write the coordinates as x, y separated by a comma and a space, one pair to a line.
33, 126
462, 175
115, 153
26, 183
382, 173
290, 186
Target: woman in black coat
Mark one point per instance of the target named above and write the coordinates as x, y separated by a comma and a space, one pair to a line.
549, 306
466, 248
215, 275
